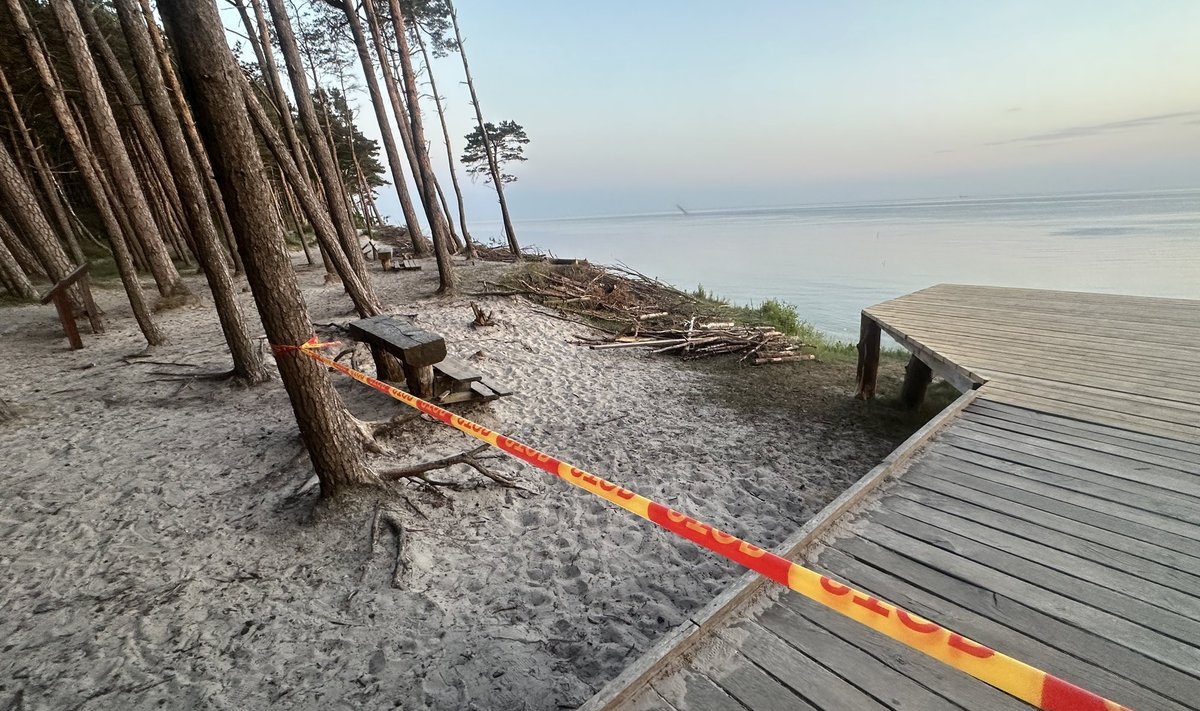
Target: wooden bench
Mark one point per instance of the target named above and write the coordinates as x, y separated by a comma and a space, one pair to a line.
416, 348
62, 303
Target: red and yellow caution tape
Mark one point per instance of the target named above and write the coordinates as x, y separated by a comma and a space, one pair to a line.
1014, 677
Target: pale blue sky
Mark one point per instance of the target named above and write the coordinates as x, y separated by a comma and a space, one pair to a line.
636, 106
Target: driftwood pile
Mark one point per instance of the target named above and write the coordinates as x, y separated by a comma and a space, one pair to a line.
638, 311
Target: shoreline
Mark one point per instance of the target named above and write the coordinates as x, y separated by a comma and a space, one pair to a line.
155, 523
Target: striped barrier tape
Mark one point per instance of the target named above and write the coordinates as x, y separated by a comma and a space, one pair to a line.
1032, 685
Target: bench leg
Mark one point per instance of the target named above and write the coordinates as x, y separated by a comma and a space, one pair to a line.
868, 358
420, 380
66, 314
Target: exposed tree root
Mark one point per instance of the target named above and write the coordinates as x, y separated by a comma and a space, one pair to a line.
389, 518
469, 458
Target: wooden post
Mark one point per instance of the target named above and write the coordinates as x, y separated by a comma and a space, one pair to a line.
917, 377
419, 379
66, 312
868, 358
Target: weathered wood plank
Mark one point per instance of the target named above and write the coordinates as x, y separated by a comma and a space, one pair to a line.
813, 682
1117, 472
949, 683
1081, 655
1163, 510
410, 343
1051, 552
1005, 624
754, 688
883, 682
1106, 444
1079, 507
1151, 632
1138, 557
696, 691
1097, 415
1164, 446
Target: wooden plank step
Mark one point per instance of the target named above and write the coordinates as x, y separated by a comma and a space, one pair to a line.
410, 265
460, 374
498, 389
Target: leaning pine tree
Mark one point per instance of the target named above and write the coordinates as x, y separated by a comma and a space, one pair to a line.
211, 80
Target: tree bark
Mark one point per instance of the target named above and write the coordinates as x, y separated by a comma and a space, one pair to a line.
43, 175
14, 275
143, 129
214, 84
289, 204
21, 206
381, 117
97, 186
317, 215
216, 202
26, 260
437, 102
111, 147
123, 256
326, 166
437, 224
493, 165
247, 363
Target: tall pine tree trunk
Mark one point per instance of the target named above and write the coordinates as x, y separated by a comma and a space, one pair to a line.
213, 192
314, 208
437, 102
112, 148
14, 276
247, 363
385, 127
21, 206
437, 224
214, 85
270, 71
493, 165
326, 165
112, 217
42, 173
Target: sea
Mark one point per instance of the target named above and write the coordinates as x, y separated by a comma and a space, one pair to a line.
832, 260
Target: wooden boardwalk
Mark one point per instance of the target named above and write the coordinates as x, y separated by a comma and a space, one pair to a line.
1052, 513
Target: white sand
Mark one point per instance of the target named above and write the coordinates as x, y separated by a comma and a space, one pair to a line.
153, 555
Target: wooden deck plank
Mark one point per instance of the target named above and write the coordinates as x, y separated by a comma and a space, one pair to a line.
754, 688
696, 691
1006, 624
1100, 415
1133, 635
1077, 506
1054, 551
896, 689
1122, 448
1150, 631
817, 685
1118, 472
1089, 541
1135, 328
961, 689
1077, 491
1167, 447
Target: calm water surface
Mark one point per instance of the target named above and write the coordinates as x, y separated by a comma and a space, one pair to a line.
833, 260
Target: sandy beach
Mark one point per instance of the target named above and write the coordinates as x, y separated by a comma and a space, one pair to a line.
156, 552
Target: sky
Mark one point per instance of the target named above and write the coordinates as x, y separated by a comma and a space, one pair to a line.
635, 107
